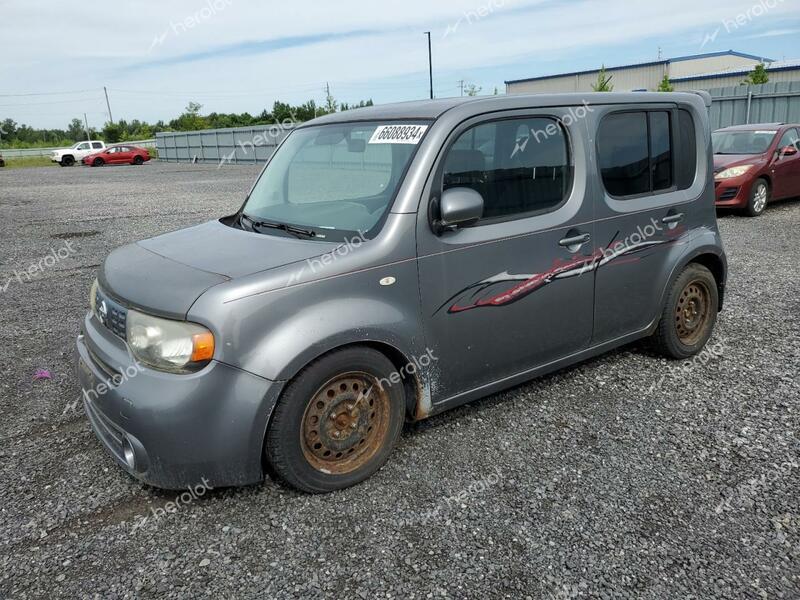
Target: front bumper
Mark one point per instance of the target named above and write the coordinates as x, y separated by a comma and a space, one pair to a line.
173, 431
734, 192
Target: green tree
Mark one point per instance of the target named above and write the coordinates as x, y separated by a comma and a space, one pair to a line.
472, 90
665, 85
330, 103
603, 81
345, 106
191, 119
76, 131
112, 133
757, 76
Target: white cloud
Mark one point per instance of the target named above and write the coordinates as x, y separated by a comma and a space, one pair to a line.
66, 46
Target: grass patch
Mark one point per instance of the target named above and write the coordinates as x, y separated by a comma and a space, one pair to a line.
23, 162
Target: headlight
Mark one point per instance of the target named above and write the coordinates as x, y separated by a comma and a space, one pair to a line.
93, 297
733, 172
167, 345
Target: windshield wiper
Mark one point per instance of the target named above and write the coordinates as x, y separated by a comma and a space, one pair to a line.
296, 231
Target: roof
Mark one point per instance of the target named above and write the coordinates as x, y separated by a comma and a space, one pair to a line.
646, 64
433, 109
754, 127
772, 67
415, 109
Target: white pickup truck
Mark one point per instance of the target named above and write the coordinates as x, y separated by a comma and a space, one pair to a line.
67, 157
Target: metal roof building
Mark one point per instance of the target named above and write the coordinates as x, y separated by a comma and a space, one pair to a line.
715, 69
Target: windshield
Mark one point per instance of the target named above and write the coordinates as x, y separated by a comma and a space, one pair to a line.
336, 180
742, 142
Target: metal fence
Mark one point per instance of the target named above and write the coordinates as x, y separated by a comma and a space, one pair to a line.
766, 103
737, 105
238, 145
19, 152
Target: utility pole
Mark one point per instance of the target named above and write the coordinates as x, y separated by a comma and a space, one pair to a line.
86, 122
430, 62
461, 85
108, 104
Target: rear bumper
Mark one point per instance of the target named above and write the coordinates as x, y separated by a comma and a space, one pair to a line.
173, 431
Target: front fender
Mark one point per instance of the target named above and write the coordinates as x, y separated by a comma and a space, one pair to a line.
275, 334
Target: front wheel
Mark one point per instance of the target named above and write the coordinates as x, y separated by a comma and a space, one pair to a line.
67, 161
759, 196
138, 160
689, 315
98, 162
337, 422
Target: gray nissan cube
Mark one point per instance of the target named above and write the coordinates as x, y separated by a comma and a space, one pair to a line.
393, 262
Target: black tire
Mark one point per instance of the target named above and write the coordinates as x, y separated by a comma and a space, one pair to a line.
67, 161
759, 198
98, 162
677, 335
311, 401
138, 160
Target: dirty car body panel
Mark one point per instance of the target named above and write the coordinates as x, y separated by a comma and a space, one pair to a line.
497, 303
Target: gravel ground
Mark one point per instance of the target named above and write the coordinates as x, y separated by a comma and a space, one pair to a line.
626, 476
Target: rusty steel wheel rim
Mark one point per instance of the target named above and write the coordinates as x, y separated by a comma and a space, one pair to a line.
693, 312
345, 424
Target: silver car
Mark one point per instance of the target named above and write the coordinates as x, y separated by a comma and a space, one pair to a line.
394, 262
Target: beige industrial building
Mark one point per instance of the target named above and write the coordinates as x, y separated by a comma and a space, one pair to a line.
701, 71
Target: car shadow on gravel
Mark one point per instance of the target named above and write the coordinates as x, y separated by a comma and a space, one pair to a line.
531, 387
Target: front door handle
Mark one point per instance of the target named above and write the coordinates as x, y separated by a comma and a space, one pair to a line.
574, 243
672, 219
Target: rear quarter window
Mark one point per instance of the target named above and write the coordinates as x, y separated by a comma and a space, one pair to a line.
644, 152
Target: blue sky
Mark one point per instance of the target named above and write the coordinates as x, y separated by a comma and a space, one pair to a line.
242, 55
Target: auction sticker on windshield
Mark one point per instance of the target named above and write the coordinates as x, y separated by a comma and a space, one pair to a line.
398, 134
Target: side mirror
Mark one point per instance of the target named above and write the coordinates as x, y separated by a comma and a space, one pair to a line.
459, 207
788, 151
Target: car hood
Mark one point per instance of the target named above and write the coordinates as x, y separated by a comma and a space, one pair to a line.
165, 275
724, 161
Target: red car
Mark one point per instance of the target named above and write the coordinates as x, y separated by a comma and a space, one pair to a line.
118, 155
754, 164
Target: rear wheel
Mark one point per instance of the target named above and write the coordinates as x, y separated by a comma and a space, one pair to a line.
67, 161
689, 315
759, 196
97, 162
337, 422
138, 160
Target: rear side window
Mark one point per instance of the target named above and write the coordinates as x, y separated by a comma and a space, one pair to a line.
97, 145
624, 154
521, 167
636, 153
661, 150
686, 154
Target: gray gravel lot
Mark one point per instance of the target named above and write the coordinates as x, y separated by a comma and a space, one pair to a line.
626, 476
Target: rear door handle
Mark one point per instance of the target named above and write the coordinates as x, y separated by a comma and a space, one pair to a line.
575, 242
670, 219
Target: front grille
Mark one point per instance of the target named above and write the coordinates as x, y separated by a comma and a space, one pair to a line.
729, 193
111, 314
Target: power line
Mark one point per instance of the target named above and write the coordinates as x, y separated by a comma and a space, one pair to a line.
50, 102
49, 93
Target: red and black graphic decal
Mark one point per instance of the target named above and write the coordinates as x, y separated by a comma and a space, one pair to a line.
504, 289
